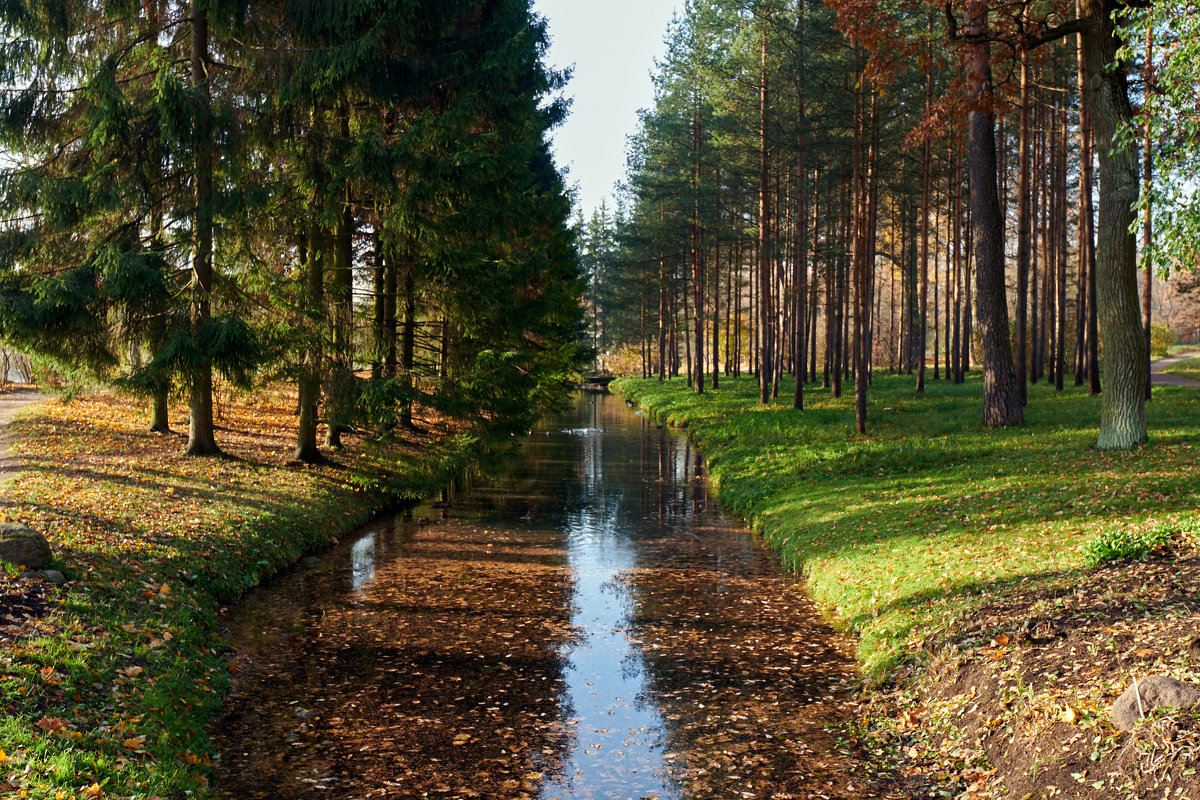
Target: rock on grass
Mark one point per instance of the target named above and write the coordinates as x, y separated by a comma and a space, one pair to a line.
23, 546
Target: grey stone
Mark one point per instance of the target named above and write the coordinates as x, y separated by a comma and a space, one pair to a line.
54, 576
310, 561
1153, 691
23, 546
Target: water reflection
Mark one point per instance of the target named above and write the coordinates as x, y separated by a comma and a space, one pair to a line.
583, 625
362, 560
618, 749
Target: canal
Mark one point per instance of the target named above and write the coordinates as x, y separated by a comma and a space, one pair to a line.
584, 624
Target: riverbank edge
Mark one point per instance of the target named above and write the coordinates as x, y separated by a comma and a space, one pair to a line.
112, 694
956, 717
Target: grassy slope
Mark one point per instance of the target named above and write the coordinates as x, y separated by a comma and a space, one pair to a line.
901, 531
108, 691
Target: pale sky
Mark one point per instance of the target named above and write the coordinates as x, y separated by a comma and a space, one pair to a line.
612, 45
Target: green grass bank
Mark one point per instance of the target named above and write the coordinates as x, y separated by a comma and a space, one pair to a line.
108, 682
930, 515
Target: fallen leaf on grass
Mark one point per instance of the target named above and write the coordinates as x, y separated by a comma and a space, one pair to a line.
135, 743
51, 724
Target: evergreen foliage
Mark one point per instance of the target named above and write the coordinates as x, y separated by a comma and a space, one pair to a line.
376, 177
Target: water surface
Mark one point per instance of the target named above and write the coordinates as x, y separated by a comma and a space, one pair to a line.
585, 624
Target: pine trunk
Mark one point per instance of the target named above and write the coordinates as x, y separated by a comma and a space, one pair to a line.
313, 301
1147, 224
201, 430
1023, 232
765, 343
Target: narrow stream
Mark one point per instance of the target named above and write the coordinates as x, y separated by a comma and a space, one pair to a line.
586, 624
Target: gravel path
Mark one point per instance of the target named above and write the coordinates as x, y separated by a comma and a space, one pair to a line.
10, 404
1160, 378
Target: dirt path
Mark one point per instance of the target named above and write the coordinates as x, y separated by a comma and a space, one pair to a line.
1160, 378
10, 403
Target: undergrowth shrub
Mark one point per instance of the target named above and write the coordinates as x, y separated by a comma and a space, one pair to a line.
1116, 544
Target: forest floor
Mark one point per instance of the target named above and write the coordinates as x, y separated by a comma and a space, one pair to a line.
971, 564
108, 682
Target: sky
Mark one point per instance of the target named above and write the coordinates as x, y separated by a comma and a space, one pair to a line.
612, 45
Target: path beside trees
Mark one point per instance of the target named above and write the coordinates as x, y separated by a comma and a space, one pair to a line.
10, 403
1160, 378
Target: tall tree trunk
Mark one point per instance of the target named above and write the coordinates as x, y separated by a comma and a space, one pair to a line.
1147, 223
390, 284
716, 315
1023, 231
697, 252
337, 402
926, 175
1123, 407
378, 306
1084, 239
1093, 316
160, 411
956, 351
1061, 260
800, 257
1035, 335
408, 345
1061, 282
968, 289
1087, 150
313, 304
683, 324
201, 430
662, 319
1050, 242
860, 167
949, 293
937, 226
766, 317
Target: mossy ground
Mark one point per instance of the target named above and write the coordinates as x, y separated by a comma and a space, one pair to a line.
108, 682
930, 515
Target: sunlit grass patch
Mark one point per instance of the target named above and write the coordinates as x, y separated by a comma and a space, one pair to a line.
930, 514
111, 683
